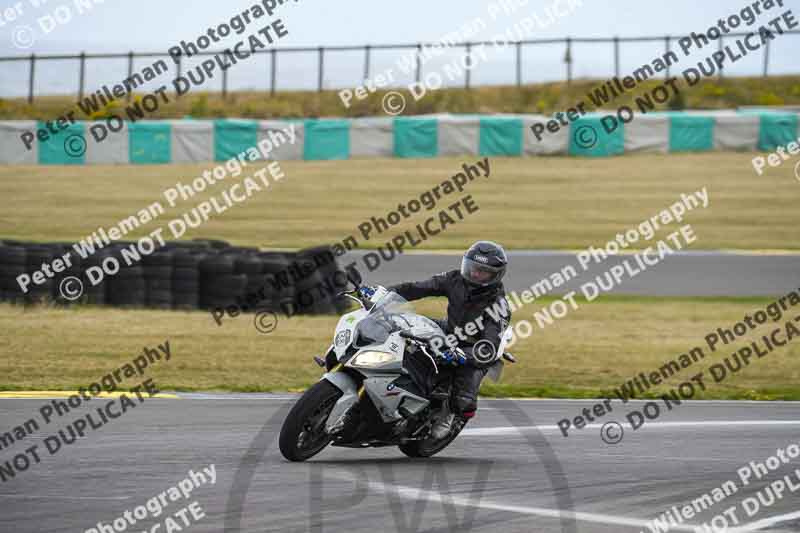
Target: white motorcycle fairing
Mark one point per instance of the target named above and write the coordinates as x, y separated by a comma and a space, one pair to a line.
381, 363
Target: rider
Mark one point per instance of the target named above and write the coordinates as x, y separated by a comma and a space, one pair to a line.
470, 291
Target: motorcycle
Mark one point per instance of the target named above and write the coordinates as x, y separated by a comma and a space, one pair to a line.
382, 385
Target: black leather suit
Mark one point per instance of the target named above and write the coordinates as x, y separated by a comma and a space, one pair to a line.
465, 303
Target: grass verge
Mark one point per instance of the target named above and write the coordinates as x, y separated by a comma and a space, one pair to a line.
545, 202
545, 98
588, 353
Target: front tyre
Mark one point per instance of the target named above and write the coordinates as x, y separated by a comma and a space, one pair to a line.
430, 447
303, 433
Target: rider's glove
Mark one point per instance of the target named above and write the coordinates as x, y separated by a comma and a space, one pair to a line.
454, 356
366, 292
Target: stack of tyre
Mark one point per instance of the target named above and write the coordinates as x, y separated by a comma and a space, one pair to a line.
157, 272
250, 266
219, 285
320, 282
35, 257
186, 278
95, 288
17, 258
277, 285
13, 263
204, 274
125, 288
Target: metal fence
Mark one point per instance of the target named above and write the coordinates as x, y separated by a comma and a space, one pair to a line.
321, 51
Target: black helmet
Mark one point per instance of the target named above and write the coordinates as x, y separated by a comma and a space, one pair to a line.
484, 264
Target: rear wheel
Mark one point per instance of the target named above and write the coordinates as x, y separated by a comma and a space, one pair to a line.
303, 433
430, 447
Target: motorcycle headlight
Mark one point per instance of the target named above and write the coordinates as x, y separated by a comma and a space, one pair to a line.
373, 359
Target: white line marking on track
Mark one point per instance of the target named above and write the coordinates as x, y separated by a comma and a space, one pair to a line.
766, 522
43, 497
510, 430
735, 461
633, 400
225, 398
410, 493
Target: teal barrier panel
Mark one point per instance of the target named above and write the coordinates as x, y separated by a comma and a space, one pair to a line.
500, 137
66, 147
587, 137
149, 143
689, 133
416, 137
776, 129
326, 140
232, 137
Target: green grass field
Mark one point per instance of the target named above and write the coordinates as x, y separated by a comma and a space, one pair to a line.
542, 203
586, 354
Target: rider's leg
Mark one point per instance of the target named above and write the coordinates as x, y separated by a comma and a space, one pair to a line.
463, 399
443, 419
466, 383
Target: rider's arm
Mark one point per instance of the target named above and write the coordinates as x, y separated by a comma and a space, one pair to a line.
414, 290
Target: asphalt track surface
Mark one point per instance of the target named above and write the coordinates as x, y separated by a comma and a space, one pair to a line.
501, 474
687, 273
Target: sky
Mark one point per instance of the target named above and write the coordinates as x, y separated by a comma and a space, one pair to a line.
157, 25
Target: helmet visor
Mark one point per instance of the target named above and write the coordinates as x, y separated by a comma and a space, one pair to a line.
480, 273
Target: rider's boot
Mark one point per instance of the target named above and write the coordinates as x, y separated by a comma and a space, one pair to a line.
442, 428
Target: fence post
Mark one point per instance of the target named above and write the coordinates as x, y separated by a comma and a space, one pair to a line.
272, 67
468, 65
721, 50
366, 62
321, 68
225, 84
568, 60
178, 67
31, 77
81, 75
616, 57
419, 62
130, 73
667, 46
766, 59
519, 63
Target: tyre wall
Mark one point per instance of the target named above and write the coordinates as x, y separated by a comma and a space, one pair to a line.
185, 275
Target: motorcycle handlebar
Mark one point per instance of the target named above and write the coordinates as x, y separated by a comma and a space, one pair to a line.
407, 335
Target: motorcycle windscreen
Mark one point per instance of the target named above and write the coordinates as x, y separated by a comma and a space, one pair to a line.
372, 330
383, 319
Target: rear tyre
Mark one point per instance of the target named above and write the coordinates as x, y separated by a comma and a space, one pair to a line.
303, 433
430, 447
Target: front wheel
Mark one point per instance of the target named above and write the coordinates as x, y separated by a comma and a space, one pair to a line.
430, 447
303, 433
